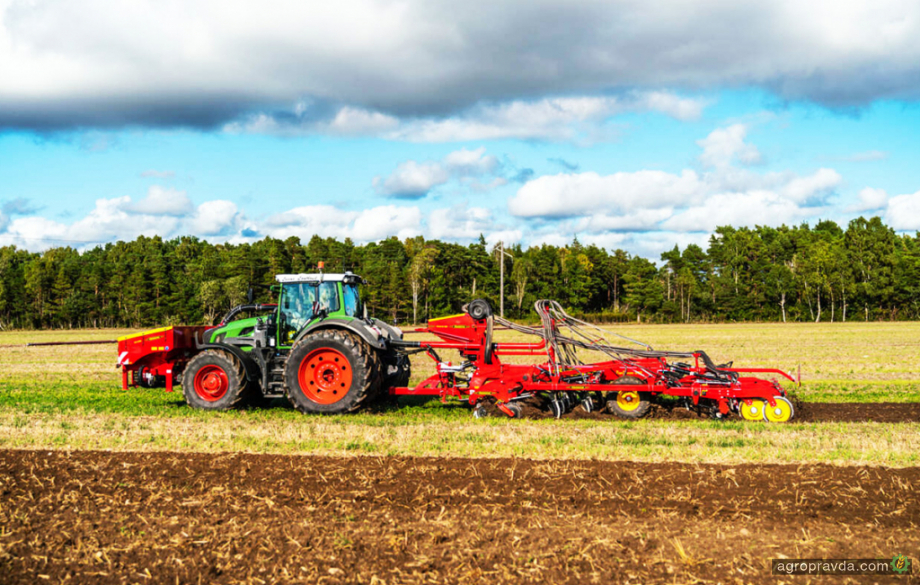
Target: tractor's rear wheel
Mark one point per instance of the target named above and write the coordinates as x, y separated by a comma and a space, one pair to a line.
214, 380
629, 403
330, 372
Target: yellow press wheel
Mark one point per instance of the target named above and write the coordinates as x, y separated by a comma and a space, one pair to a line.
752, 411
628, 400
782, 412
629, 403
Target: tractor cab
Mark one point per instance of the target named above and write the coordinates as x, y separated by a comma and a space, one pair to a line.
305, 299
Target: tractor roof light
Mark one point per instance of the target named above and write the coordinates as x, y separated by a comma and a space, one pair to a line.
347, 278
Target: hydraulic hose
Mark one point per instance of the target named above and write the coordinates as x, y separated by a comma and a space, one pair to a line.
242, 308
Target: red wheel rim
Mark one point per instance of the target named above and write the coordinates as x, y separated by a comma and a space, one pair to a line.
211, 383
325, 375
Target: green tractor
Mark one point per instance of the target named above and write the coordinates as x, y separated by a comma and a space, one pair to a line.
316, 346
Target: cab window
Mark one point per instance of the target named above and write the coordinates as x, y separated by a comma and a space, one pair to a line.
351, 299
297, 304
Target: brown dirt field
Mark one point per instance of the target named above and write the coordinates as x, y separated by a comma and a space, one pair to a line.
99, 517
888, 412
894, 412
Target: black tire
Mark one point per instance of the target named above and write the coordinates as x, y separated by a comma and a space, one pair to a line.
397, 372
140, 379
360, 362
212, 369
146, 380
479, 309
639, 410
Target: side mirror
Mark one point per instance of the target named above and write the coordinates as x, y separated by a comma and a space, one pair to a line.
250, 294
365, 311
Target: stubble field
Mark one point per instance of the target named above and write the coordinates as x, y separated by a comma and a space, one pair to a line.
104, 486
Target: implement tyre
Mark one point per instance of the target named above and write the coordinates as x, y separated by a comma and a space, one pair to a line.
397, 372
330, 372
753, 411
781, 413
215, 380
629, 404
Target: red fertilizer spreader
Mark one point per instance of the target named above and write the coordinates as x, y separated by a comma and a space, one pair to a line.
156, 358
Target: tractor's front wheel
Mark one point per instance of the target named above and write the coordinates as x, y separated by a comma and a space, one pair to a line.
214, 380
330, 372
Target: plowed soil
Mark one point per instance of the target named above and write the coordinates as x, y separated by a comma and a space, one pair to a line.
99, 517
846, 412
889, 412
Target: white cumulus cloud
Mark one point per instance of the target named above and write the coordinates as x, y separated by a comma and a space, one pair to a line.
737, 209
650, 200
903, 212
215, 218
802, 189
413, 180
163, 201
465, 223
871, 199
725, 146
361, 226
577, 194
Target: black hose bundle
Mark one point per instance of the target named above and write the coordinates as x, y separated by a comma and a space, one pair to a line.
565, 334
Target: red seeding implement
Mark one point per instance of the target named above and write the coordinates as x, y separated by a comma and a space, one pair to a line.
626, 381
318, 348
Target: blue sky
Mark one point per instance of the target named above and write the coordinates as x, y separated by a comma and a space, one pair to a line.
417, 119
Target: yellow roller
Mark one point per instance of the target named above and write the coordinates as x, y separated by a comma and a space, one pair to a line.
754, 411
628, 400
782, 412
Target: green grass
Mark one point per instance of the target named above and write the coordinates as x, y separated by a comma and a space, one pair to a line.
429, 435
70, 397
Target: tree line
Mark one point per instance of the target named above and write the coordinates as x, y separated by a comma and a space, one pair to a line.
800, 273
